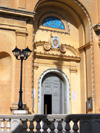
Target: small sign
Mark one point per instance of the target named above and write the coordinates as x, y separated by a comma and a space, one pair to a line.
73, 95
89, 103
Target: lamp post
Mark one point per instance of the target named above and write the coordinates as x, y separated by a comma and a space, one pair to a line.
21, 55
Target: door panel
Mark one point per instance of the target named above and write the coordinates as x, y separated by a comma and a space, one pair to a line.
56, 95
52, 85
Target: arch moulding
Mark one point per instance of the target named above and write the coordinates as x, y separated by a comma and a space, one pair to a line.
82, 7
66, 89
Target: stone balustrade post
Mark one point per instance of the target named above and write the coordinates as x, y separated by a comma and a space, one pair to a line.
45, 127
2, 126
52, 126
24, 125
67, 127
38, 126
59, 127
75, 126
31, 126
8, 126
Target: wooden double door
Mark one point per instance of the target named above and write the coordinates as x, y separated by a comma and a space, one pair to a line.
53, 94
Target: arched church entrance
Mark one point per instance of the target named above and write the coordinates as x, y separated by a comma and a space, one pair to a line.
62, 39
53, 94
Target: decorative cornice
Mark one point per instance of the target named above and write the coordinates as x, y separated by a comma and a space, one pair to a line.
39, 43
53, 30
16, 12
73, 70
65, 46
57, 56
21, 32
86, 46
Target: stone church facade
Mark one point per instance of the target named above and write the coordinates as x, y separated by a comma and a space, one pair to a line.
62, 74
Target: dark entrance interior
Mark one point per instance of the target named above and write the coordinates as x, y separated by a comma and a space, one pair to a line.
47, 104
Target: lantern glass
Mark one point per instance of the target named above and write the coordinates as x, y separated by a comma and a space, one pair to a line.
16, 51
27, 52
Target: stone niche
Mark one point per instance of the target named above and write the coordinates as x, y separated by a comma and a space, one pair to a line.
5, 82
5, 66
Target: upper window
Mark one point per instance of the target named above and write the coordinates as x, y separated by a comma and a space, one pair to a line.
53, 22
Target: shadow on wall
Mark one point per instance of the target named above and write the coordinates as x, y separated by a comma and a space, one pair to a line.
5, 66
5, 82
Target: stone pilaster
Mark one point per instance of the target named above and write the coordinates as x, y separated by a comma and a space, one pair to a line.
22, 4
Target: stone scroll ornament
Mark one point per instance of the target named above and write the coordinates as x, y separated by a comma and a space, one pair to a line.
63, 48
47, 46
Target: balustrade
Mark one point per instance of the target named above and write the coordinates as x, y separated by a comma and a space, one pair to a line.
5, 125
36, 123
50, 123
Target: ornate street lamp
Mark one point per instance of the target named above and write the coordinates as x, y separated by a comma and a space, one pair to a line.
21, 55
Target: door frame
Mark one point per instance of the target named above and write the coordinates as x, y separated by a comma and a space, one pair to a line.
66, 90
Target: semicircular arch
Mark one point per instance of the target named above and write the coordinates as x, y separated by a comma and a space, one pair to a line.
66, 88
79, 10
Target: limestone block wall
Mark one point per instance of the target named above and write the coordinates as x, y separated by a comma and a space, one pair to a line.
19, 27
6, 71
14, 31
